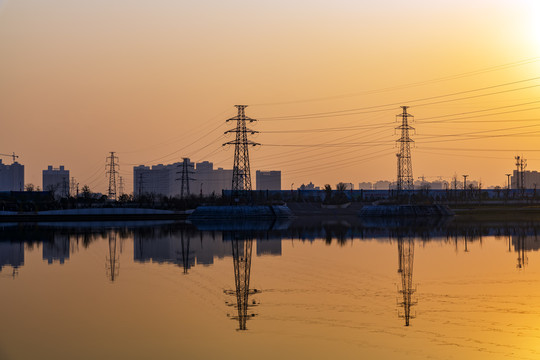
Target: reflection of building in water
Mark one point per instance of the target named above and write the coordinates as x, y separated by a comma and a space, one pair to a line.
112, 261
522, 244
242, 251
169, 248
405, 268
526, 242
268, 247
11, 254
57, 249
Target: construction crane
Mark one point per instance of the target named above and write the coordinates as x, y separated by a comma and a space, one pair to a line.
11, 155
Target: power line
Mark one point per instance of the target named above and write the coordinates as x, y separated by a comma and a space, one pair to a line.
353, 111
482, 110
400, 87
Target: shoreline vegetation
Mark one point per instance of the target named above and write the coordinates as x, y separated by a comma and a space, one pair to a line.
464, 212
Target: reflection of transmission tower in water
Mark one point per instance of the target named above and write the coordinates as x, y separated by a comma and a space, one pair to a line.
241, 250
404, 166
241, 172
184, 254
112, 263
519, 246
405, 268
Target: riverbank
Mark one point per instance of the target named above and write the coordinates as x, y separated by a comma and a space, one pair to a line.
93, 214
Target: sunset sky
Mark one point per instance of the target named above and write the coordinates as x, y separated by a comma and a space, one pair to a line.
156, 80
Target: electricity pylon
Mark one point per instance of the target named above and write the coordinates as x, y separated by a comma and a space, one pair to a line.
521, 165
241, 250
404, 175
241, 172
112, 262
112, 171
405, 268
120, 186
185, 178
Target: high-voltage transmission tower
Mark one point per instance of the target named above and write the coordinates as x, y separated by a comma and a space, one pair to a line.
112, 262
120, 186
187, 170
112, 172
404, 165
242, 250
405, 268
241, 173
521, 165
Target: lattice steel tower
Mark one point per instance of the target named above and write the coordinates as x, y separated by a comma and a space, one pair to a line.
185, 179
404, 166
241, 173
521, 165
120, 186
112, 172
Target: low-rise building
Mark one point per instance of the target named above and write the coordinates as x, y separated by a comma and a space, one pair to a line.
268, 180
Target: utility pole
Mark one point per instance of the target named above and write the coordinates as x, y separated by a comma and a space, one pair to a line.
405, 175
112, 171
465, 185
523, 165
518, 162
185, 179
241, 180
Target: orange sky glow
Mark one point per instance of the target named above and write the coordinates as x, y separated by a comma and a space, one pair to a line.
155, 81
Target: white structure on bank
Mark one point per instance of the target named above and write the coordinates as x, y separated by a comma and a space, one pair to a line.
166, 180
56, 180
11, 177
268, 180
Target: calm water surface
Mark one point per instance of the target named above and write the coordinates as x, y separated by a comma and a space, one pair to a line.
337, 289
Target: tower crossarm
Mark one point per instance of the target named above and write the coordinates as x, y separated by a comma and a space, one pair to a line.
235, 142
247, 130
